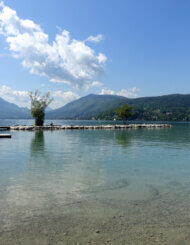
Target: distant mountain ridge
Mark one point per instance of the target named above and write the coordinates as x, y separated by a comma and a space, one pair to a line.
167, 107
174, 107
86, 107
11, 111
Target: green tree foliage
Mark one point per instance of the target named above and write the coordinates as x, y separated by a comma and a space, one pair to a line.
123, 112
38, 105
161, 108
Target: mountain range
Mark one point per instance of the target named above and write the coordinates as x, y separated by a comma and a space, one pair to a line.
11, 111
168, 107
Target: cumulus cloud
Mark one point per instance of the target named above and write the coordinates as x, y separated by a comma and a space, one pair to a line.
130, 93
62, 98
2, 4
65, 60
107, 91
97, 84
95, 39
21, 98
94, 84
18, 97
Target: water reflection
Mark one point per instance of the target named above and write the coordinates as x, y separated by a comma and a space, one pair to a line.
63, 170
37, 143
123, 138
44, 169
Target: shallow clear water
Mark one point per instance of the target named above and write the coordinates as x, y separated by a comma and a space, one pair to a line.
96, 186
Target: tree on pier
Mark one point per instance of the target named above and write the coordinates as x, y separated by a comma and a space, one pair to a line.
123, 112
38, 105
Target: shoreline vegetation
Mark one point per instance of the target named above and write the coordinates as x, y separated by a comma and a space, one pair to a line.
101, 107
83, 127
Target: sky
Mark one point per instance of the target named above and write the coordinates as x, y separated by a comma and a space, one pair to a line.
133, 48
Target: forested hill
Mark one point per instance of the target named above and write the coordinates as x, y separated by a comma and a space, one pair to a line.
168, 107
174, 107
11, 111
87, 107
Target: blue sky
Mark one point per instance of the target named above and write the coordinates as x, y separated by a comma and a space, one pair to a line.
144, 46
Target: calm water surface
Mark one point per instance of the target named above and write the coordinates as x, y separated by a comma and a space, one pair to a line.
96, 187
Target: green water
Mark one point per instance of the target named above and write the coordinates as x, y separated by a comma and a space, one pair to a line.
96, 187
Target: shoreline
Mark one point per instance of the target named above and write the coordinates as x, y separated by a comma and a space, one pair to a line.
84, 127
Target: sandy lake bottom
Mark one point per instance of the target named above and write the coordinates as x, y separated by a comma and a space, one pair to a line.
96, 187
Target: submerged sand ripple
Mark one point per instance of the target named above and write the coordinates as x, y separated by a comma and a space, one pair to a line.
161, 219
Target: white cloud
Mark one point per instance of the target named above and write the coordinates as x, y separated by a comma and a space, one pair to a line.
93, 84
97, 84
66, 60
95, 39
130, 93
107, 91
2, 4
62, 98
21, 98
18, 97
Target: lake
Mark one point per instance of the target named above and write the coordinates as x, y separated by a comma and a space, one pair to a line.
95, 186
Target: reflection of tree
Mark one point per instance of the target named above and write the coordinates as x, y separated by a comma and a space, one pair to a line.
37, 143
123, 138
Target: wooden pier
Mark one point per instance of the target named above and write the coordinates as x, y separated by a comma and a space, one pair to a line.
4, 128
5, 135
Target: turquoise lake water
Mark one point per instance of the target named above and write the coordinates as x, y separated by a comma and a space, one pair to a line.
96, 186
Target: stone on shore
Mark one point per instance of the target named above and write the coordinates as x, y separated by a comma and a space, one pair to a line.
89, 127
